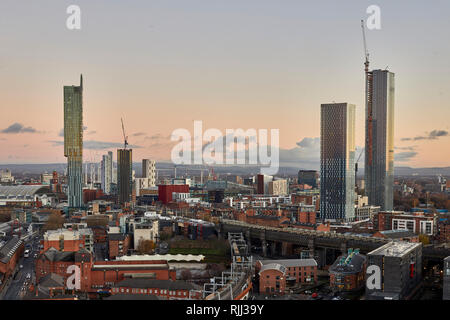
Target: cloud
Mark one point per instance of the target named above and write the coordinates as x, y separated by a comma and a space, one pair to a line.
96, 145
61, 132
157, 136
137, 134
433, 135
309, 143
19, 128
408, 148
404, 156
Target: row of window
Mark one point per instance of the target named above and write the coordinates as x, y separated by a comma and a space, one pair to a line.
150, 291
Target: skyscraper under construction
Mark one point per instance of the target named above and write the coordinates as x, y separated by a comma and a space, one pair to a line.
73, 142
379, 146
124, 175
379, 157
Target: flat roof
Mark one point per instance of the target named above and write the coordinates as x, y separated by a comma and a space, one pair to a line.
292, 262
395, 249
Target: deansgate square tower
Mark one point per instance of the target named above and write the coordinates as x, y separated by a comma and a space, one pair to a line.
379, 157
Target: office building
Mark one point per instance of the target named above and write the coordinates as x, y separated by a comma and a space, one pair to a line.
400, 266
73, 142
337, 162
379, 157
124, 175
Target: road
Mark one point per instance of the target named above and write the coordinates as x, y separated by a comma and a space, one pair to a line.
14, 291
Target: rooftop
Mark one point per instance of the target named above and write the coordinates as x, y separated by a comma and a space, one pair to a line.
291, 262
153, 283
273, 266
8, 250
395, 249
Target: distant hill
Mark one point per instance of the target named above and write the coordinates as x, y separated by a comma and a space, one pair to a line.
221, 170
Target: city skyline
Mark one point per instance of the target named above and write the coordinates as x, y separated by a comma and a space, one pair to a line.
271, 76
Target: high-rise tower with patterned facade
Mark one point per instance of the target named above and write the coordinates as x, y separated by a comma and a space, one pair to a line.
337, 162
73, 142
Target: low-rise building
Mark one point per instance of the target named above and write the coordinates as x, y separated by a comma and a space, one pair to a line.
272, 279
69, 240
118, 244
168, 289
348, 272
297, 270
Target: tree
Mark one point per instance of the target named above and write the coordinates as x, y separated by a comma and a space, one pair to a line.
55, 221
145, 246
424, 239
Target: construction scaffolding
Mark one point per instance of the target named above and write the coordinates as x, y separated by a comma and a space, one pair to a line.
233, 283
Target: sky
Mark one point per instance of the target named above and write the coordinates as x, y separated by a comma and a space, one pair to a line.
161, 65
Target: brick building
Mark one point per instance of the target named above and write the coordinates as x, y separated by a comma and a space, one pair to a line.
272, 279
10, 254
417, 222
165, 191
118, 244
68, 240
168, 289
296, 270
348, 272
443, 233
96, 275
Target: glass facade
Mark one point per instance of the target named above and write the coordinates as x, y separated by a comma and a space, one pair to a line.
73, 142
337, 162
379, 159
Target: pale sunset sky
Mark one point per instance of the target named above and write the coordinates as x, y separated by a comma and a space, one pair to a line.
162, 64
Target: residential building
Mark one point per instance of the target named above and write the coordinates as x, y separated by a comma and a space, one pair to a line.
379, 146
337, 162
73, 142
107, 172
278, 187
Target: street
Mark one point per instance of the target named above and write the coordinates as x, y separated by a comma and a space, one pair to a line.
14, 290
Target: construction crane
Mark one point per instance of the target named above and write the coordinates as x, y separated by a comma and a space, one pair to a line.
366, 52
125, 137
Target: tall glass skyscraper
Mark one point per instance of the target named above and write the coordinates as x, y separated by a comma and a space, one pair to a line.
124, 174
379, 152
73, 142
337, 161
106, 172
